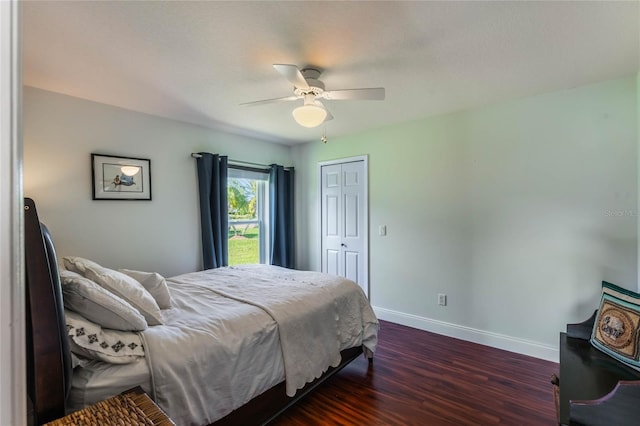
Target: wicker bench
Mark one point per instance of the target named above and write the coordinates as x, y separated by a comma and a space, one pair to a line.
131, 408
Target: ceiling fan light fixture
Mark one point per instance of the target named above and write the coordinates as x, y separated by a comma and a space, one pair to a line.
309, 115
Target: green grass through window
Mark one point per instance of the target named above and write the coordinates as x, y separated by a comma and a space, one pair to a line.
244, 245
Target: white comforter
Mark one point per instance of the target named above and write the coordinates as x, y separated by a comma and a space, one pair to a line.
235, 332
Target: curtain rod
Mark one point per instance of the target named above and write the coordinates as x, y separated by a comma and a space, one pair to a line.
240, 163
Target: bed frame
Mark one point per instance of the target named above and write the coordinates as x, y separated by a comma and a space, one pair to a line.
49, 359
48, 356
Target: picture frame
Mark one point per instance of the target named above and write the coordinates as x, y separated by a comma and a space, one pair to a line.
120, 178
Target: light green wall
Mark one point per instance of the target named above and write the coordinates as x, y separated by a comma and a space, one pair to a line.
517, 211
162, 235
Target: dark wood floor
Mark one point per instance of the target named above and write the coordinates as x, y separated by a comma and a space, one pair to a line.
421, 378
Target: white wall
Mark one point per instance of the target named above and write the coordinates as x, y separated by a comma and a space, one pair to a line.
60, 133
517, 211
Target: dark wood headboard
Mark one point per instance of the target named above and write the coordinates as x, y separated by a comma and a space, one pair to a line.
48, 357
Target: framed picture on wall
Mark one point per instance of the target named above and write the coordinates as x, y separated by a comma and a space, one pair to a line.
120, 178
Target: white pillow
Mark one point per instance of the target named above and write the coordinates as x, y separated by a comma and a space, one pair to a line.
120, 284
154, 283
89, 340
96, 304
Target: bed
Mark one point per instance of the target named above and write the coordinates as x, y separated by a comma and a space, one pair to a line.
236, 345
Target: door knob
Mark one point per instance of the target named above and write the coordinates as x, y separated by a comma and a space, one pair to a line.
343, 244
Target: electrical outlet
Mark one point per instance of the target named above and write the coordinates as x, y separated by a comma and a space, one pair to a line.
442, 299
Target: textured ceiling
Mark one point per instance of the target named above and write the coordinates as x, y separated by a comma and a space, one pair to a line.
197, 61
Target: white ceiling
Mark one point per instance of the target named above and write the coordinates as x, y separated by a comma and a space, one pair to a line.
197, 61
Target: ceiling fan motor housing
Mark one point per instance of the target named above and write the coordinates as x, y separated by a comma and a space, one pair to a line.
311, 72
316, 87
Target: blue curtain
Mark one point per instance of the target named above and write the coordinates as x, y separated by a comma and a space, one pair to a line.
214, 220
281, 199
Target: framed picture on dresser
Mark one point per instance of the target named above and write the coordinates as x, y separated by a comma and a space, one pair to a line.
120, 178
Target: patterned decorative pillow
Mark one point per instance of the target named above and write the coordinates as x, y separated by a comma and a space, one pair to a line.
96, 304
91, 341
616, 330
154, 283
119, 284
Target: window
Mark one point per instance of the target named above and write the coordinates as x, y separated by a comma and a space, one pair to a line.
247, 192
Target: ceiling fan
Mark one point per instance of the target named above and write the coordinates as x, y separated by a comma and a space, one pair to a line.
306, 86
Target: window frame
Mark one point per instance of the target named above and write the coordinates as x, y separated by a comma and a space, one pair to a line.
261, 176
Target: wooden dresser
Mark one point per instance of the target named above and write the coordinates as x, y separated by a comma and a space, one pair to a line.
591, 392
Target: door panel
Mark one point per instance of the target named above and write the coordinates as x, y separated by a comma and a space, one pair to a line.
333, 178
351, 265
351, 177
351, 216
333, 216
333, 262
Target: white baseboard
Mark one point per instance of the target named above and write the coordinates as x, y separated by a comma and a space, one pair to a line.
495, 340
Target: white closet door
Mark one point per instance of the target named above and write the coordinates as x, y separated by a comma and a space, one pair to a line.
344, 224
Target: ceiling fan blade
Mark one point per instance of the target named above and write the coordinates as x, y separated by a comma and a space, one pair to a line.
270, 101
369, 94
293, 74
